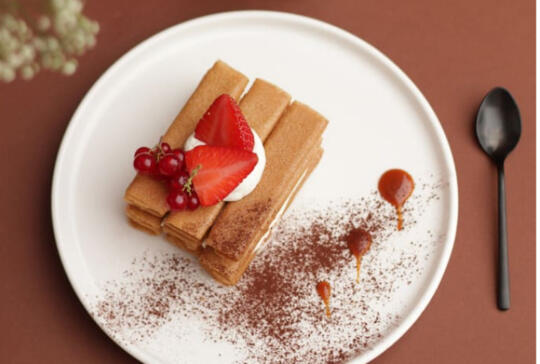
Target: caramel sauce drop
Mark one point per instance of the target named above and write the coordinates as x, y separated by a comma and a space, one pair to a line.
396, 186
358, 241
324, 290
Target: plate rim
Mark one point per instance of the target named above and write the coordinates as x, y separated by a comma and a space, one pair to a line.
431, 287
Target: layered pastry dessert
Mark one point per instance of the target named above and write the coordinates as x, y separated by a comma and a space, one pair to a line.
223, 172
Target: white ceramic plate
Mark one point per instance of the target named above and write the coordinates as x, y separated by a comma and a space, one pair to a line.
378, 120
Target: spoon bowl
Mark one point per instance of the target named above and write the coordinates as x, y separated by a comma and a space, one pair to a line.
498, 124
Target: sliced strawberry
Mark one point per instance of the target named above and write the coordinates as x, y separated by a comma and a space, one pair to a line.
224, 125
218, 170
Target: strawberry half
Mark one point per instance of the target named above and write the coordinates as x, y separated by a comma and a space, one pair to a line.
218, 170
224, 125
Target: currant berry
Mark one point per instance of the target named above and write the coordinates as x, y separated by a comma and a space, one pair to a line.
169, 165
165, 147
156, 173
141, 150
178, 181
144, 163
193, 201
179, 153
177, 200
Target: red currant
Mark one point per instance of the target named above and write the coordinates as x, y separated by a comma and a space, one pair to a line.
193, 201
177, 200
169, 165
165, 147
178, 181
144, 163
179, 153
142, 150
156, 173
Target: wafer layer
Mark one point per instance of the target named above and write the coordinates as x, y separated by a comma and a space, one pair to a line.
262, 107
143, 221
180, 244
149, 195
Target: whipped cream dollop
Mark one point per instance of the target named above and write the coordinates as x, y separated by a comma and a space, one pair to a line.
251, 181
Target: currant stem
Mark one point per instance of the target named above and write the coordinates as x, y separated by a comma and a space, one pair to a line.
189, 182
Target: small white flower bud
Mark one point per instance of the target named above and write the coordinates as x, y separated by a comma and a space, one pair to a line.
44, 23
27, 72
69, 67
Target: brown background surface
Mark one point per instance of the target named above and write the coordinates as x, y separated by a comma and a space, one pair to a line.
455, 51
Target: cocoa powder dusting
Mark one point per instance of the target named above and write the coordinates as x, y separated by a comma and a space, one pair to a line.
239, 228
274, 314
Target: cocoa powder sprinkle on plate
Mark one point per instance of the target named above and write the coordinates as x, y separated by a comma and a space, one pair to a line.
274, 314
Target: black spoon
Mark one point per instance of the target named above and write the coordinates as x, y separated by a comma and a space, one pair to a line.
498, 128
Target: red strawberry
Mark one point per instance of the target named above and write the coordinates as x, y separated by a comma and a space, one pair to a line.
224, 125
218, 170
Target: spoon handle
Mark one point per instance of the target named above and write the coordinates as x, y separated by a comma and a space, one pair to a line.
503, 292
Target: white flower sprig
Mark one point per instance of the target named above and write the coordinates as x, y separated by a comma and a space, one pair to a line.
52, 42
